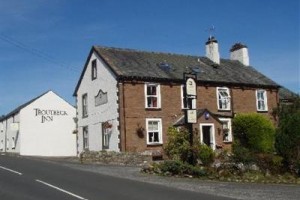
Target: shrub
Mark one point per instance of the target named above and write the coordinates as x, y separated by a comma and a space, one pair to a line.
254, 132
178, 146
270, 162
176, 167
241, 154
206, 155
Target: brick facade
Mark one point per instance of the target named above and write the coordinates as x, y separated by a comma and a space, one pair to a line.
133, 113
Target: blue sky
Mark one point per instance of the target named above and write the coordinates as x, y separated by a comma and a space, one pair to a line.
44, 43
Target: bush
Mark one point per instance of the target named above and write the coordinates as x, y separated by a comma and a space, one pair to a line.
176, 167
241, 154
206, 155
254, 132
270, 162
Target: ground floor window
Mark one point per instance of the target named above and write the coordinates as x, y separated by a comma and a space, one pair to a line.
13, 145
154, 131
85, 132
227, 132
106, 134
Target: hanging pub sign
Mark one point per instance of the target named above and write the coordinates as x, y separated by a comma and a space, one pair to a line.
190, 94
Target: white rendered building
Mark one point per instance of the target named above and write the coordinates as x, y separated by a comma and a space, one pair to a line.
41, 127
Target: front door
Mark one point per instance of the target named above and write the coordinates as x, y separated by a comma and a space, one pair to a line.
207, 135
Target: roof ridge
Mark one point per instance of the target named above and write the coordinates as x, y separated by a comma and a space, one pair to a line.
147, 51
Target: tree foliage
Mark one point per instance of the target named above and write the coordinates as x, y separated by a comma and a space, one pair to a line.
288, 133
254, 132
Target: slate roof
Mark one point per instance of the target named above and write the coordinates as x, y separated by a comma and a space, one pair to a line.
142, 65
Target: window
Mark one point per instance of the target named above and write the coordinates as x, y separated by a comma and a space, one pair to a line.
154, 131
184, 104
152, 92
223, 98
94, 69
261, 100
106, 133
227, 133
85, 133
84, 106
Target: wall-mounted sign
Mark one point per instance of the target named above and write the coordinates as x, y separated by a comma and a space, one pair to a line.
101, 98
48, 115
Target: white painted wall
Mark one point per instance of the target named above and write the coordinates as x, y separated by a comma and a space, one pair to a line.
39, 137
106, 81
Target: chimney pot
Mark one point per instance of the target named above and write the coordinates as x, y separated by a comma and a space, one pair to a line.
239, 52
212, 50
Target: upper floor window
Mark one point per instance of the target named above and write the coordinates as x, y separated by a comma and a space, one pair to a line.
184, 101
223, 98
261, 100
84, 105
94, 69
152, 95
154, 131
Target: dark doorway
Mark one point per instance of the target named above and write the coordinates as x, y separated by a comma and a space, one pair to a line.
206, 131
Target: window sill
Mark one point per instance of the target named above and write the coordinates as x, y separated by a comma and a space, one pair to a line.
154, 109
223, 110
227, 142
262, 111
154, 144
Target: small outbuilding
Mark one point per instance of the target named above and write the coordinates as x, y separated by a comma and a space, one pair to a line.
43, 126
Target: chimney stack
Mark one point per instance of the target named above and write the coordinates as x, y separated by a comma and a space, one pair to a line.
239, 52
212, 50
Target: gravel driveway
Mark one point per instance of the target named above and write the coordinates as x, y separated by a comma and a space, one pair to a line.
227, 189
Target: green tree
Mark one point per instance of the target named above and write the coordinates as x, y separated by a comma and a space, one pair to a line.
288, 134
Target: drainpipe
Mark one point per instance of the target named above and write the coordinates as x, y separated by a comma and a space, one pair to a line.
5, 136
124, 116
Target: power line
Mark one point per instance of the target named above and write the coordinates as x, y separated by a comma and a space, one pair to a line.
35, 52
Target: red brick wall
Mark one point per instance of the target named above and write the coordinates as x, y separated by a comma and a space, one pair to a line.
133, 104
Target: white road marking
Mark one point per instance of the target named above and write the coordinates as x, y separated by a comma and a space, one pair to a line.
62, 190
10, 170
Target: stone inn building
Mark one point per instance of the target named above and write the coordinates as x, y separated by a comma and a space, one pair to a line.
127, 99
43, 126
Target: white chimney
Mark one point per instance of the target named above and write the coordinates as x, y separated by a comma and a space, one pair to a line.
239, 52
212, 50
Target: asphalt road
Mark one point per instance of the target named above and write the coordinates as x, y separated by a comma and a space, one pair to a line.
24, 178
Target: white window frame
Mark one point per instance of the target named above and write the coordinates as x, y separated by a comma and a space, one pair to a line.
228, 99
264, 100
85, 137
182, 99
229, 137
157, 95
159, 130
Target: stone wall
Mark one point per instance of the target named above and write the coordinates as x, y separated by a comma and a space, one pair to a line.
116, 158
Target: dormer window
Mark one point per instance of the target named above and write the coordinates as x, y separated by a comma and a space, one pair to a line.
223, 98
94, 69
